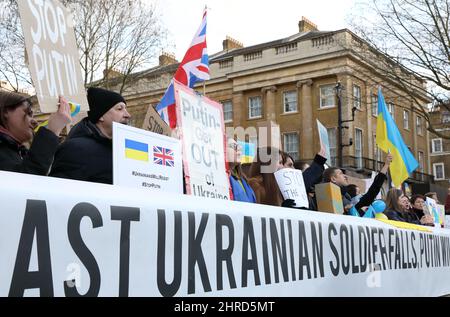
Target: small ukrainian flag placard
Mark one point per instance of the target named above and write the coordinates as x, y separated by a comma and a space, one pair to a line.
136, 150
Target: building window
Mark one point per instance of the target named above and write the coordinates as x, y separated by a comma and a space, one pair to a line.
420, 158
254, 107
332, 139
390, 106
405, 119
438, 171
374, 100
227, 111
436, 145
291, 144
376, 151
357, 96
290, 101
446, 117
358, 147
419, 126
327, 96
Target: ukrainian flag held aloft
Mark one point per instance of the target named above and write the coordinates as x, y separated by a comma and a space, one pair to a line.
390, 140
136, 150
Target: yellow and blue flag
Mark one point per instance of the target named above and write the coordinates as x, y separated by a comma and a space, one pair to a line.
136, 150
248, 152
74, 110
390, 140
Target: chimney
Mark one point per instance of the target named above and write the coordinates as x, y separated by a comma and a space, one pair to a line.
111, 73
167, 59
230, 43
305, 25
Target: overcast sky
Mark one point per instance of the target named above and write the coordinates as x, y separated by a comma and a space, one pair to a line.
248, 21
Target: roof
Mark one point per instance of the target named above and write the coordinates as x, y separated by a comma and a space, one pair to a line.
250, 49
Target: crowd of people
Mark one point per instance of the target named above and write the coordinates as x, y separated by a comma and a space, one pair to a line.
86, 155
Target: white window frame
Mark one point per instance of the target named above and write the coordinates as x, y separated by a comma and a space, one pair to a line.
406, 120
419, 131
249, 107
391, 109
294, 92
357, 97
320, 96
297, 137
359, 159
433, 148
445, 117
333, 150
421, 160
374, 103
223, 106
435, 165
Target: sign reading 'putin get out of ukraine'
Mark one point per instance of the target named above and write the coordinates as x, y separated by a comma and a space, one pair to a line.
145, 159
52, 53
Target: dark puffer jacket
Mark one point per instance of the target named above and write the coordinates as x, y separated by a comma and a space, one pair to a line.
15, 157
86, 155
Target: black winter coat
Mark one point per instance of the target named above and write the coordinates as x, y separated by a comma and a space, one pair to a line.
86, 155
15, 157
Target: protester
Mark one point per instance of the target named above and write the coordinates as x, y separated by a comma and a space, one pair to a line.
87, 153
447, 203
397, 208
17, 128
433, 195
241, 190
417, 208
337, 177
312, 175
355, 193
261, 179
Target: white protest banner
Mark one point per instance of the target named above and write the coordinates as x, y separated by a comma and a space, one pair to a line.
202, 131
68, 238
52, 53
324, 141
292, 186
144, 159
154, 123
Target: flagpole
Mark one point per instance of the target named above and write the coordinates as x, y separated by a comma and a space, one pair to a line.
204, 88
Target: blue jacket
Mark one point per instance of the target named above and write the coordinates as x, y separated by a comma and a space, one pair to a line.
238, 192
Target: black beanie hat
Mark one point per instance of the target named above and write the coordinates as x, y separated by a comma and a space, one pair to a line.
100, 101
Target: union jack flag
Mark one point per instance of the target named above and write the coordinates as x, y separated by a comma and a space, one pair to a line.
194, 68
163, 156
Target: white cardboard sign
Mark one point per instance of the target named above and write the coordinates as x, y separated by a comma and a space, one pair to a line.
292, 186
144, 159
202, 131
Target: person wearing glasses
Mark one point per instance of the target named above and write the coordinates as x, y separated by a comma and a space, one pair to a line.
17, 130
238, 181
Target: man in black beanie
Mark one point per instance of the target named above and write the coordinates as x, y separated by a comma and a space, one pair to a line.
87, 152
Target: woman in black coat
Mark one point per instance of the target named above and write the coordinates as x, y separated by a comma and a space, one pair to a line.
17, 129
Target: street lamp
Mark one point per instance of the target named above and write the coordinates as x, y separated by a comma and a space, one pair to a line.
339, 88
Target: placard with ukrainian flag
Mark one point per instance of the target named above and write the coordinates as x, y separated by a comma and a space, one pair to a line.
145, 159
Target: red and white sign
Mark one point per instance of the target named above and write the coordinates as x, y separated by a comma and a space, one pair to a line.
202, 131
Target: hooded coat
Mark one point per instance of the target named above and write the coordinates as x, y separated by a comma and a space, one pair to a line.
86, 155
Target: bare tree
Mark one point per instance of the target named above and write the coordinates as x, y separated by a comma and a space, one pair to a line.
115, 39
413, 37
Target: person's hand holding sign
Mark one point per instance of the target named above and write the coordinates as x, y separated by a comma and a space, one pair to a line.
58, 120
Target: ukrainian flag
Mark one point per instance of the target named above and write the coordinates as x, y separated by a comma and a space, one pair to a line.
248, 152
136, 150
389, 139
